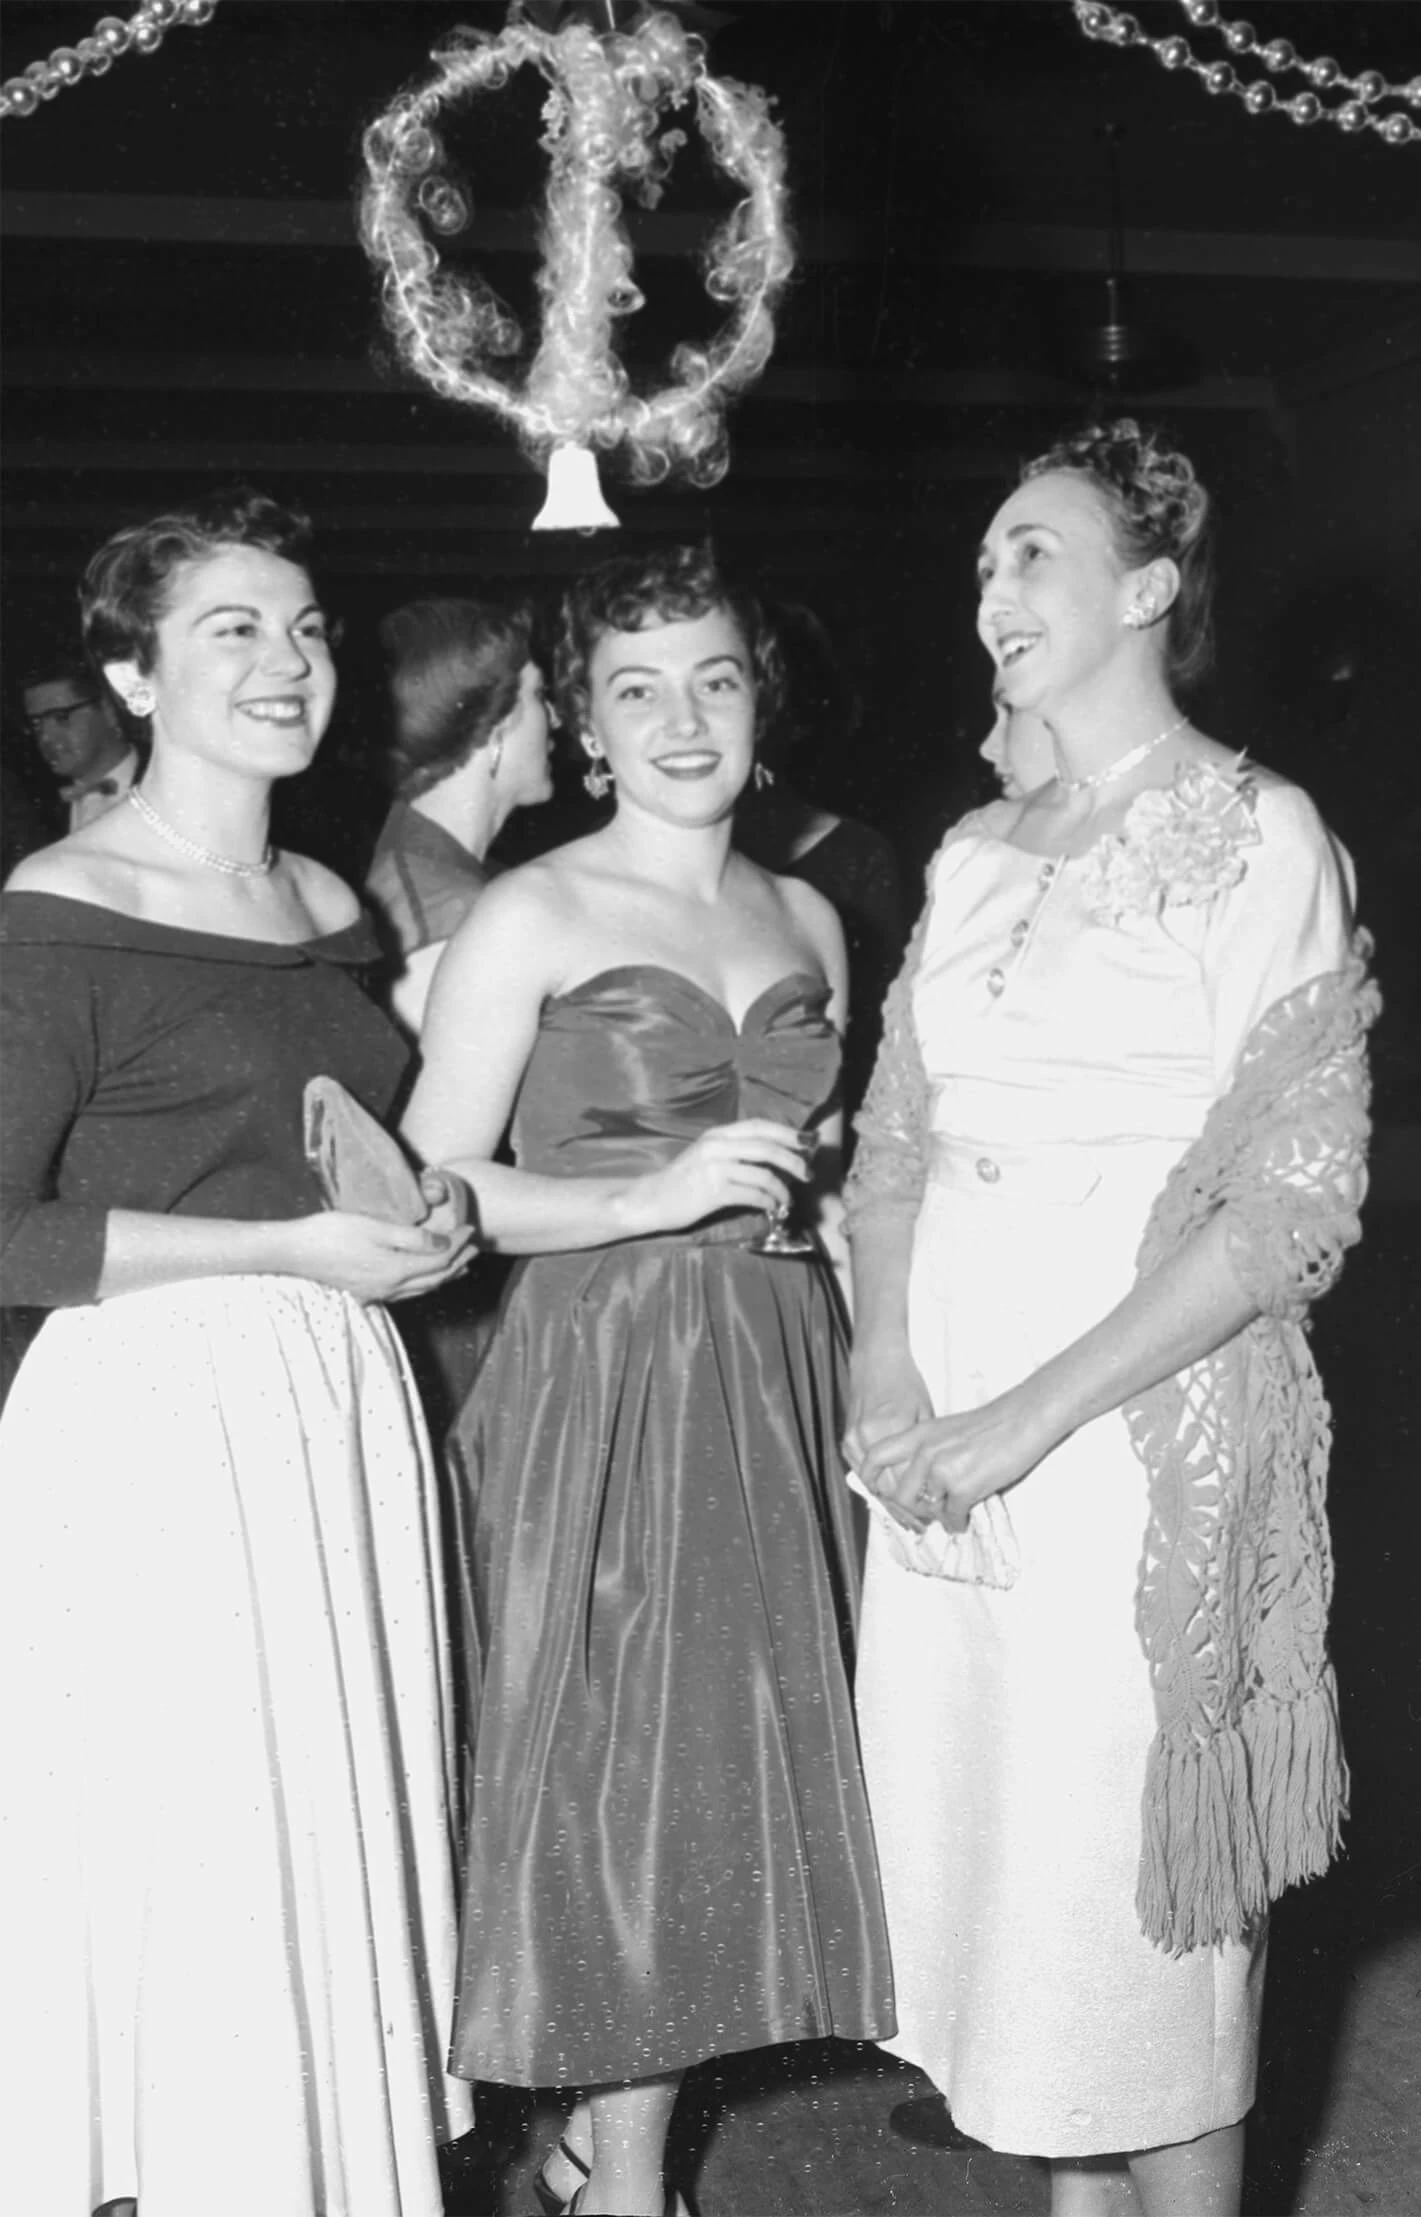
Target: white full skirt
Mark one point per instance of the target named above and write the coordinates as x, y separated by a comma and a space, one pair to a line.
226, 1860
1005, 1733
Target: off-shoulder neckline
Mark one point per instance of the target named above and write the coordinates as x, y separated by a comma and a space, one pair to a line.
48, 919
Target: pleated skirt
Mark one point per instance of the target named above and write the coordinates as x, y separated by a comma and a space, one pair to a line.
226, 1865
670, 1852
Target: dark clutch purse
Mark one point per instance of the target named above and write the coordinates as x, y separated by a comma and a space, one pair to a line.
359, 1165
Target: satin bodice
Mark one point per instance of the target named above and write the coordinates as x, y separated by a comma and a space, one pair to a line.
633, 1064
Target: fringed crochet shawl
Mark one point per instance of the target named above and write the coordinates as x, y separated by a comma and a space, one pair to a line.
1245, 1785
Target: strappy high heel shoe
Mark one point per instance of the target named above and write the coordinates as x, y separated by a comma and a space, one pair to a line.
551, 2202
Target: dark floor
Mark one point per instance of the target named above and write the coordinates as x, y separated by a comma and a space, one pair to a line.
1337, 2126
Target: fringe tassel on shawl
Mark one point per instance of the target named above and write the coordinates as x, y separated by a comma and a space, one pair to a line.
1231, 1821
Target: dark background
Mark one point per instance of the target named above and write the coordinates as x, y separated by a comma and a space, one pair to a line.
186, 303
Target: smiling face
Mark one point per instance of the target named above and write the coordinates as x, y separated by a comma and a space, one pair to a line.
242, 674
525, 763
673, 706
1053, 592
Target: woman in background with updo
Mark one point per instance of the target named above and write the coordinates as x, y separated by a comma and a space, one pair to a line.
1112, 1149
470, 745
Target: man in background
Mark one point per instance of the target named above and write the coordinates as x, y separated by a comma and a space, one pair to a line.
75, 725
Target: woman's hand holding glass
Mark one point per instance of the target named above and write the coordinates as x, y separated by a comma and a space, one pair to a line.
753, 1164
782, 1236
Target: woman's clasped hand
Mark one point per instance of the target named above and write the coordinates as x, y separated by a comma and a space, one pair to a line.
938, 1469
379, 1261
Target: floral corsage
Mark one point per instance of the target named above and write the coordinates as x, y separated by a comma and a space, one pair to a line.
1181, 845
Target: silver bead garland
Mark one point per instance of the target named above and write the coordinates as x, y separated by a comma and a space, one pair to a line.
143, 32
1356, 112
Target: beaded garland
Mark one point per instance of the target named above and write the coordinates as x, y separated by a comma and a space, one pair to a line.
1358, 112
92, 56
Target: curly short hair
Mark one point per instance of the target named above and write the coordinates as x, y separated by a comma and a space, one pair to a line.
125, 590
455, 667
665, 585
1157, 508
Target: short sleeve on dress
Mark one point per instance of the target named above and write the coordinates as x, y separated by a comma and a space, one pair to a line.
1288, 919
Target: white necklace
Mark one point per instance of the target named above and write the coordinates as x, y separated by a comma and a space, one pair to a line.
190, 847
1126, 762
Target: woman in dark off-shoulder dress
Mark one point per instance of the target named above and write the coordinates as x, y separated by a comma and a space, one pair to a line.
226, 1869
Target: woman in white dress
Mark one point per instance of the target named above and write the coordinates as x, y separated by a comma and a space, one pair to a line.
226, 1863
1081, 1816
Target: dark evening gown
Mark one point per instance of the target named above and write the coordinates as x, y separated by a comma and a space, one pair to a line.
670, 1854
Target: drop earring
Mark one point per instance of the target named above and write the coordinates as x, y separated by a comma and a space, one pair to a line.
495, 756
596, 777
764, 776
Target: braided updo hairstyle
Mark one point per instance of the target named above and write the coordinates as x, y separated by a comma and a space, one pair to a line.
1158, 509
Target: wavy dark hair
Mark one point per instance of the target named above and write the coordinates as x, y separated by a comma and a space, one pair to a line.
1157, 508
125, 590
664, 585
454, 667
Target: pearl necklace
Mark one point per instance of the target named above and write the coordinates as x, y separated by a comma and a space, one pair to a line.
190, 847
1126, 762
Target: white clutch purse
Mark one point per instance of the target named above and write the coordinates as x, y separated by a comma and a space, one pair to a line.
986, 1554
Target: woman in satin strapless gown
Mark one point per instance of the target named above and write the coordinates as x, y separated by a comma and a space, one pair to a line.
670, 1854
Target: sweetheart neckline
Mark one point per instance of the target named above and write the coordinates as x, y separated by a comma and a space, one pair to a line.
702, 992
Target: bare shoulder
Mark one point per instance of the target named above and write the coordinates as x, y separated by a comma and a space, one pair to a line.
807, 919
76, 870
535, 893
328, 900
528, 916
812, 910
